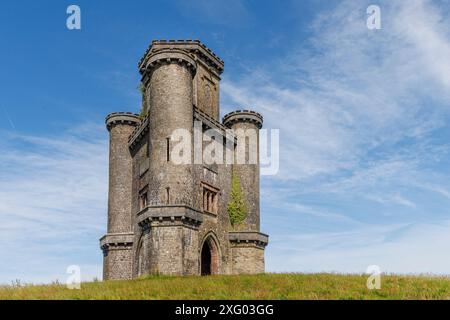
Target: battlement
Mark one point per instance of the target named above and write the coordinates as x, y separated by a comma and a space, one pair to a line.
193, 48
122, 118
243, 116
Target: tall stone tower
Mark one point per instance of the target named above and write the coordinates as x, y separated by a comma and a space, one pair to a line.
169, 217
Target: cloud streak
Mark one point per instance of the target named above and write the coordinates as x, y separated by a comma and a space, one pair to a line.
361, 115
52, 203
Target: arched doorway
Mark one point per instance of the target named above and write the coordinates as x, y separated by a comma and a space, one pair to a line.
209, 260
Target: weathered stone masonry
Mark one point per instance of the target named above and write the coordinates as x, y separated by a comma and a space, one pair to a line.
168, 218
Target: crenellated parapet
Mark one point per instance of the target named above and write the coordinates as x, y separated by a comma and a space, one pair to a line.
173, 49
127, 118
168, 56
248, 116
204, 65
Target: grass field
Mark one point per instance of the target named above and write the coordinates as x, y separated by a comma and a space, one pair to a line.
265, 286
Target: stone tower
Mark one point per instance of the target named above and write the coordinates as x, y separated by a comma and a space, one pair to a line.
169, 217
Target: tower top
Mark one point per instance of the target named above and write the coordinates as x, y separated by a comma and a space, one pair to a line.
194, 48
243, 116
124, 118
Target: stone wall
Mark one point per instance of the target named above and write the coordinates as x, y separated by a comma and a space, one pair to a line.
171, 109
172, 250
120, 126
117, 263
206, 91
247, 259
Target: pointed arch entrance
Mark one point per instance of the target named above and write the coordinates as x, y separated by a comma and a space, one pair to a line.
209, 257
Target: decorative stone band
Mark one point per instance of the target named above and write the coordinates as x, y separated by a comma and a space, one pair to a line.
167, 56
116, 240
126, 118
169, 213
248, 237
190, 46
243, 116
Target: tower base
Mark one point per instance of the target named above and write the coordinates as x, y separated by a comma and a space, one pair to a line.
117, 256
247, 252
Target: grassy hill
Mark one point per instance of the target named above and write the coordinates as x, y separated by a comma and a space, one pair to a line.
265, 286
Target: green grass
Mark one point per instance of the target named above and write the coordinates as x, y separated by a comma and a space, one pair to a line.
264, 286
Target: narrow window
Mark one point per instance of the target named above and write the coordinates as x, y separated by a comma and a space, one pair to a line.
143, 200
168, 195
168, 149
210, 199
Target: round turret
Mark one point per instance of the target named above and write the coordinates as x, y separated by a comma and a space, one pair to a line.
168, 75
120, 125
243, 116
246, 125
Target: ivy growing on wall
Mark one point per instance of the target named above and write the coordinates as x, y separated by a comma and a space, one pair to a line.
237, 210
143, 112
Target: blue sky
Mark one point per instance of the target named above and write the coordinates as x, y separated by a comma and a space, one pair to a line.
363, 118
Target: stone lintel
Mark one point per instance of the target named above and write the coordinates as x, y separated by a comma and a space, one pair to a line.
123, 240
243, 116
248, 237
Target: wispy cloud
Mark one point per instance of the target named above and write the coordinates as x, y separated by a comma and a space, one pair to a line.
8, 118
407, 248
52, 203
352, 91
355, 98
361, 115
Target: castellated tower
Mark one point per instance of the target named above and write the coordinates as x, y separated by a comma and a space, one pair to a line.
117, 243
247, 244
168, 217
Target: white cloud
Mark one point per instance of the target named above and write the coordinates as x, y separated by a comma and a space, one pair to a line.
418, 248
351, 90
53, 193
360, 113
395, 198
